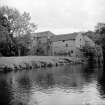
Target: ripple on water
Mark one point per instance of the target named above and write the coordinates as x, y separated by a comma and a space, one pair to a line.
66, 85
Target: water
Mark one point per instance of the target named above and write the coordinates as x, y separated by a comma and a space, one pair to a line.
65, 85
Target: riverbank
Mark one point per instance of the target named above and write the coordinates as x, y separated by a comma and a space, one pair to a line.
32, 62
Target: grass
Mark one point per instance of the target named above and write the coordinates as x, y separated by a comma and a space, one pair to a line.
31, 62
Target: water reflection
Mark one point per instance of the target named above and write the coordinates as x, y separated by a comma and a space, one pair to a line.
101, 82
4, 91
54, 86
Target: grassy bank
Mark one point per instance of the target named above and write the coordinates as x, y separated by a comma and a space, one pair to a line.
33, 62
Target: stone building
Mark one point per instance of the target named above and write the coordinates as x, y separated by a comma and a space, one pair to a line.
41, 43
71, 44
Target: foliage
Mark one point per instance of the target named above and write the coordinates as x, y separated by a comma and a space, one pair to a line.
6, 41
4, 23
100, 28
18, 27
98, 36
23, 43
20, 23
100, 33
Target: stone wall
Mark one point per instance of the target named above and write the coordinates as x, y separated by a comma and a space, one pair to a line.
66, 48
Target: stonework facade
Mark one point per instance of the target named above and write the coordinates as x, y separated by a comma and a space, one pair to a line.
62, 45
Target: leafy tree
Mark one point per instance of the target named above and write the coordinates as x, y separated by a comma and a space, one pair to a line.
100, 28
20, 23
6, 43
20, 27
24, 44
99, 36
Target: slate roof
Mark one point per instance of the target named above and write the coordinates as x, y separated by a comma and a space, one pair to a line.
64, 37
55, 38
44, 34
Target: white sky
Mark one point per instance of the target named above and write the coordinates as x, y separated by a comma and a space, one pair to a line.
62, 16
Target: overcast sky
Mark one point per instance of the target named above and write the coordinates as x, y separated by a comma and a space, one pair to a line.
62, 16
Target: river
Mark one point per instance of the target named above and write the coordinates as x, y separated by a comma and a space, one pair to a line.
66, 85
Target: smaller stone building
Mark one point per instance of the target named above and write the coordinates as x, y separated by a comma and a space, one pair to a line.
41, 43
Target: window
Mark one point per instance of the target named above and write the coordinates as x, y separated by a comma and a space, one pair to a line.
71, 51
66, 45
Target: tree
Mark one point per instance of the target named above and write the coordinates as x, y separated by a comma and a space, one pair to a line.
100, 33
20, 23
6, 43
20, 26
24, 44
98, 36
100, 28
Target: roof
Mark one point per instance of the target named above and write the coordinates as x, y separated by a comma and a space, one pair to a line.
44, 34
89, 41
61, 37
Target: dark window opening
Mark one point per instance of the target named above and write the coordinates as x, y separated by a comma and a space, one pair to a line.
66, 45
71, 51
